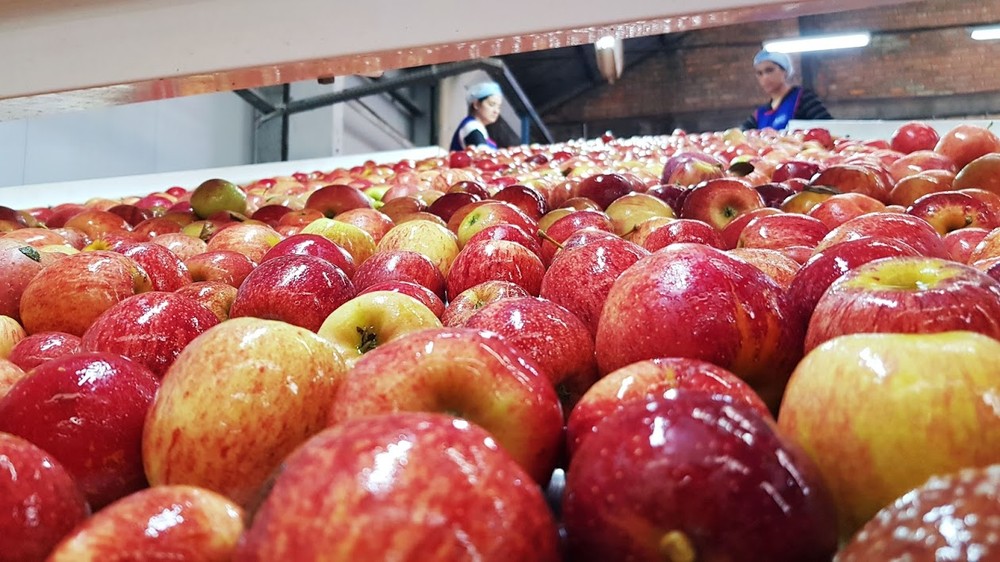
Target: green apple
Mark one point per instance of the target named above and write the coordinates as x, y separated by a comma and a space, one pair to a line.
218, 195
881, 413
238, 399
373, 319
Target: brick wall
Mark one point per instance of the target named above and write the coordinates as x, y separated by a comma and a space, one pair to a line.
921, 63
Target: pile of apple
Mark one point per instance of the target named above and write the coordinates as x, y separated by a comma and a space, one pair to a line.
774, 346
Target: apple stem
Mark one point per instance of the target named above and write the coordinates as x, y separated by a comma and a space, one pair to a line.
544, 236
369, 340
677, 547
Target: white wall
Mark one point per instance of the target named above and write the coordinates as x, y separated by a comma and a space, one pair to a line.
183, 133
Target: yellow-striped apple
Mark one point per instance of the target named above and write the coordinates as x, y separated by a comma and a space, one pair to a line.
463, 305
719, 201
400, 265
495, 260
313, 245
38, 348
493, 385
880, 413
251, 240
912, 231
19, 263
161, 523
424, 237
404, 486
225, 266
237, 400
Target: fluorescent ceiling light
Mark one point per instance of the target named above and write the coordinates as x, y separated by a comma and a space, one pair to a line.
818, 43
605, 42
986, 33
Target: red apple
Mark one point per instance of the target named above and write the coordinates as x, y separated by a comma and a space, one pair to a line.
658, 308
911, 188
645, 381
162, 523
948, 211
299, 290
775, 264
913, 526
852, 178
182, 245
913, 136
981, 173
270, 214
564, 227
842, 207
313, 245
717, 202
491, 213
299, 217
682, 230
774, 194
494, 386
688, 168
629, 210
907, 295
960, 243
528, 199
919, 162
775, 232
257, 388
165, 270
600, 263
225, 266
424, 237
18, 266
511, 233
94, 223
87, 411
466, 303
251, 240
36, 349
816, 275
730, 235
552, 336
375, 223
795, 169
77, 289
804, 201
216, 296
400, 265
603, 188
495, 260
964, 143
332, 200
133, 215
910, 230
668, 480
449, 493
36, 237
446, 205
39, 501
150, 329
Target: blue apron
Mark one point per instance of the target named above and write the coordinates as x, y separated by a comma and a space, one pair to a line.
779, 117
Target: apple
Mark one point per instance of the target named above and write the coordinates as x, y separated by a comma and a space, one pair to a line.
991, 199
672, 195
911, 188
495, 260
471, 187
493, 385
258, 389
695, 477
406, 486
166, 271
400, 265
774, 263
180, 244
224, 266
913, 136
511, 233
960, 243
907, 295
774, 194
914, 526
658, 308
150, 329
717, 202
298, 217
919, 162
528, 199
564, 227
299, 290
371, 221
18, 265
803, 201
162, 523
371, 319
270, 214
682, 230
75, 290
10, 374
644, 381
35, 237
401, 206
964, 143
552, 336
908, 229
87, 411
39, 501
948, 211
689, 168
217, 195
603, 189
826, 266
94, 223
462, 306
216, 296
774, 232
988, 247
795, 169
853, 178
449, 203
11, 333
251, 240
491, 213
600, 263
842, 207
332, 200
36, 349
133, 215
730, 235
313, 245
981, 173
631, 209
424, 237
912, 407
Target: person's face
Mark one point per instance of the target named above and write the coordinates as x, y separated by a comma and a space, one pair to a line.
770, 76
488, 110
